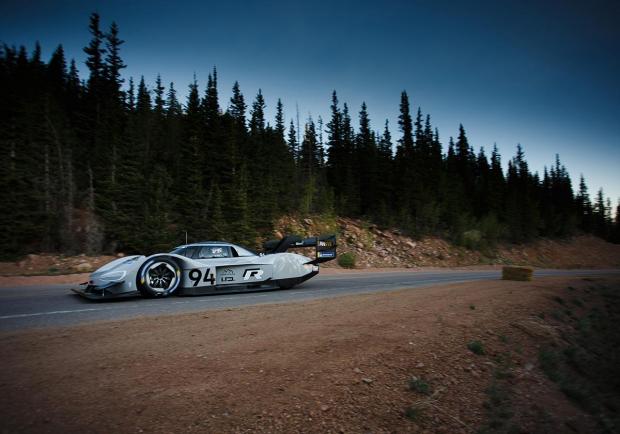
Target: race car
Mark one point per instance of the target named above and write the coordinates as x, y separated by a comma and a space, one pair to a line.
209, 267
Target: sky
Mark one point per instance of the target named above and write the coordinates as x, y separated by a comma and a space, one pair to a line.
545, 74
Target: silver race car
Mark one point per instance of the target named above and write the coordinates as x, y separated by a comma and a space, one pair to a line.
209, 267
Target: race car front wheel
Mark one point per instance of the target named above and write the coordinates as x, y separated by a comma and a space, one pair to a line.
159, 277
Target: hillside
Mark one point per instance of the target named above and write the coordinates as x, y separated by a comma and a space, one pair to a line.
376, 247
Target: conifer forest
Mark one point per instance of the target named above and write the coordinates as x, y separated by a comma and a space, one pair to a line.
105, 163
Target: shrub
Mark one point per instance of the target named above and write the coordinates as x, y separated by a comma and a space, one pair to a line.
412, 413
420, 386
476, 347
559, 300
471, 239
347, 260
549, 363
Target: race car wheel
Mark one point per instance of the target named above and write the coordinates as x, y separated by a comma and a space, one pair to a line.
159, 277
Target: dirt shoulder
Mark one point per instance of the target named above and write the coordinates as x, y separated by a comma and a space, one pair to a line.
336, 365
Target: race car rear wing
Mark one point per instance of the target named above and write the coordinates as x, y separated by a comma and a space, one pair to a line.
325, 246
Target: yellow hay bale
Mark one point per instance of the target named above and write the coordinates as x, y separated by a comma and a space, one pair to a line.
517, 273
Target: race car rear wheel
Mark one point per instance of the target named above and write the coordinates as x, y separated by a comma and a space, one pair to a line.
159, 277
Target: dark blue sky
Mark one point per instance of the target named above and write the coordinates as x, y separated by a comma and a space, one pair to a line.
545, 74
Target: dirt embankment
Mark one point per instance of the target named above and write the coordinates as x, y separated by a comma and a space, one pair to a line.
375, 247
448, 359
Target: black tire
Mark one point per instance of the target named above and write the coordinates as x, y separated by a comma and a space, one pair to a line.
159, 277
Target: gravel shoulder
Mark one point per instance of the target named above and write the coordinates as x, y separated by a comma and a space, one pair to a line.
336, 365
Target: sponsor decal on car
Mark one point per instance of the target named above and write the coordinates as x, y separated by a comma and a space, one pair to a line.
227, 275
255, 273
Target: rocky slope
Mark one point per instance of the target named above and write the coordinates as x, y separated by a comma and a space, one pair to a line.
379, 247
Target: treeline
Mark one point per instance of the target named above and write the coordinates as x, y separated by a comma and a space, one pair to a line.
103, 165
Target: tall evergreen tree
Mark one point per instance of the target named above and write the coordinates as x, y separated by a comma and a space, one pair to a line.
292, 141
95, 53
113, 62
257, 119
237, 105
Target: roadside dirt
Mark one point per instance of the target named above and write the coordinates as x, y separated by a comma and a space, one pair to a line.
54, 265
337, 365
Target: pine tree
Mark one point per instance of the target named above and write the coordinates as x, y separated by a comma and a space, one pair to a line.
257, 119
405, 165
308, 155
113, 62
366, 165
292, 141
57, 72
95, 52
211, 110
237, 106
130, 101
159, 98
74, 91
351, 193
173, 107
406, 126
584, 206
464, 158
385, 179
600, 218
337, 159
280, 120
496, 184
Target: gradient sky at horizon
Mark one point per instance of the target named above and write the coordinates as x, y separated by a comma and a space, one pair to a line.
542, 74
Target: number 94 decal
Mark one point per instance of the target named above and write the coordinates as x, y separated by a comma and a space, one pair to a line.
201, 276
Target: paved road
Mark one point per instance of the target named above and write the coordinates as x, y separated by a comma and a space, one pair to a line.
54, 305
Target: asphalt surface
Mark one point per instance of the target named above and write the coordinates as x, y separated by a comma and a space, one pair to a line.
55, 305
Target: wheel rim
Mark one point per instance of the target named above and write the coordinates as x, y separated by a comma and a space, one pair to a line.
160, 277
